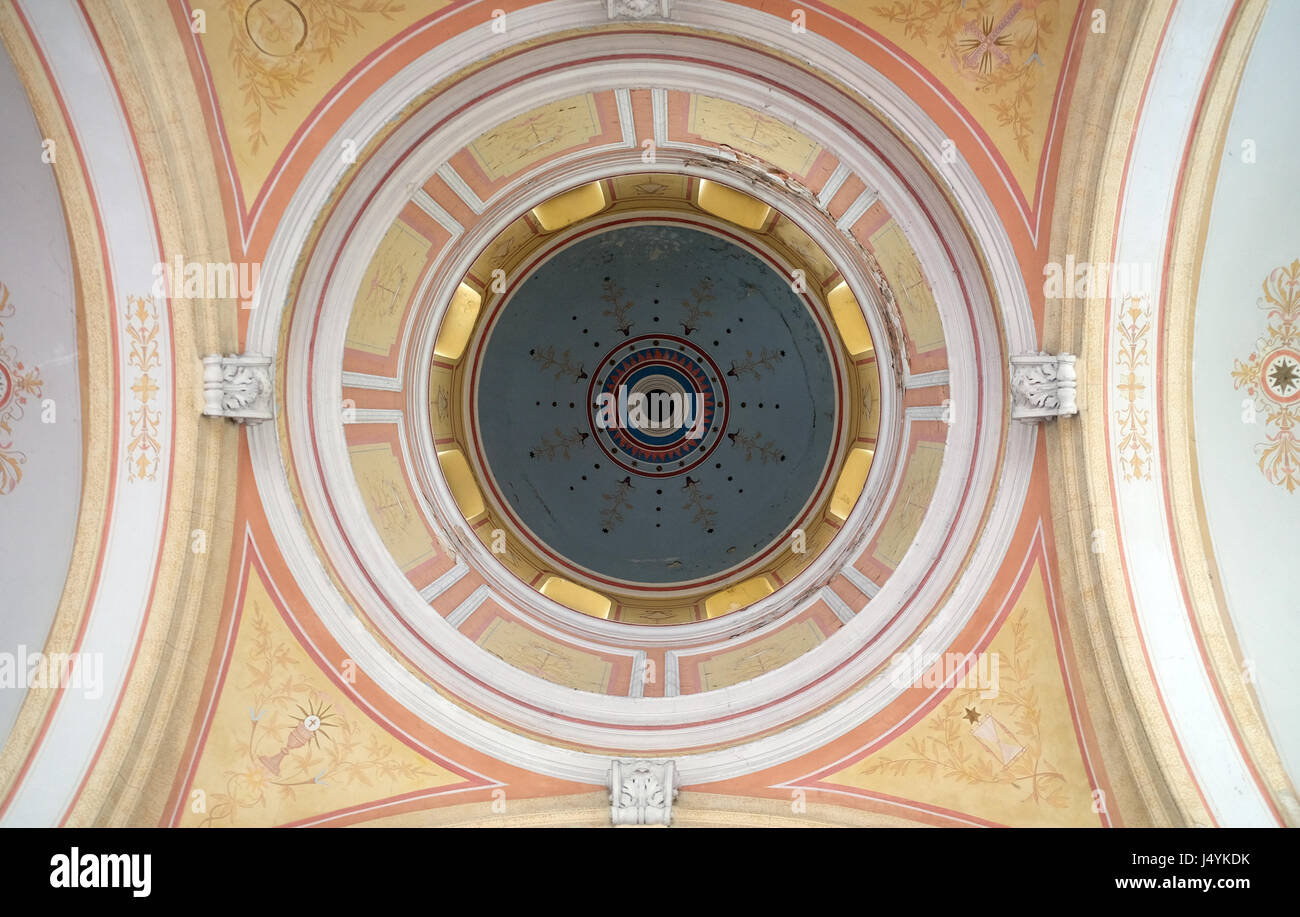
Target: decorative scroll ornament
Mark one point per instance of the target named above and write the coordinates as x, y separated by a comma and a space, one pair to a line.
1271, 378
642, 792
238, 386
1043, 386
639, 9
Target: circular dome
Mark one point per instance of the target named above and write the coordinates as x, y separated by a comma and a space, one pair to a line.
405, 284
665, 458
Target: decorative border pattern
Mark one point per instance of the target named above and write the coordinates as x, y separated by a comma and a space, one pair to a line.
144, 450
1133, 415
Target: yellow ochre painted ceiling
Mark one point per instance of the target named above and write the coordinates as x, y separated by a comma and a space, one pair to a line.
271, 64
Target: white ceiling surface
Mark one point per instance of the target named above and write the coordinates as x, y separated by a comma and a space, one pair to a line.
1254, 228
38, 518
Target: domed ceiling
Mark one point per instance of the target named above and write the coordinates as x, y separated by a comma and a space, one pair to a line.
666, 390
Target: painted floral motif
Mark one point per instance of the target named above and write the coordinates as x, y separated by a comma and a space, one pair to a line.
145, 356
563, 364
756, 365
993, 742
18, 382
562, 446
693, 311
1133, 417
297, 738
755, 446
617, 499
697, 503
618, 307
277, 45
1270, 377
993, 43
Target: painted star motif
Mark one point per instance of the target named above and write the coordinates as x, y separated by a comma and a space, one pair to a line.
972, 715
1284, 376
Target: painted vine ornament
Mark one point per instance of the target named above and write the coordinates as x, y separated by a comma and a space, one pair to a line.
1133, 413
18, 382
277, 46
1270, 377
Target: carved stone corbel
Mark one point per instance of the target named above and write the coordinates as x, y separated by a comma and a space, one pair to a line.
1043, 386
642, 792
639, 9
238, 386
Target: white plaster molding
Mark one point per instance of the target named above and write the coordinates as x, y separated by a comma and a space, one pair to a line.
239, 387
925, 380
861, 204
458, 184
372, 415
444, 582
833, 184
860, 581
837, 604
425, 202
460, 614
375, 383
642, 792
1043, 386
639, 9
637, 686
626, 118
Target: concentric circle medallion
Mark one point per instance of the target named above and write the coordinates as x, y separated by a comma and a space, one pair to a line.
658, 405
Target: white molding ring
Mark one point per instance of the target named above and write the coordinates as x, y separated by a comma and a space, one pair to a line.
465, 726
877, 489
351, 511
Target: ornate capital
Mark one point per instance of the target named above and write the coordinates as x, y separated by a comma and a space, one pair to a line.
639, 9
238, 386
1043, 386
642, 792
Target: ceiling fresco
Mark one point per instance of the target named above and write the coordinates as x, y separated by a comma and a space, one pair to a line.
650, 413
631, 457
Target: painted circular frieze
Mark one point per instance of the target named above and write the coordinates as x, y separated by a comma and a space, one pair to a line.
654, 405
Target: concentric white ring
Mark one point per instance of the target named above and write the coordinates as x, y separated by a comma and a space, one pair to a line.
976, 365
